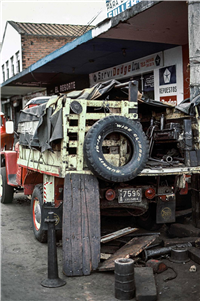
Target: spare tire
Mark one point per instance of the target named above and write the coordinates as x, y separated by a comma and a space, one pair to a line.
137, 145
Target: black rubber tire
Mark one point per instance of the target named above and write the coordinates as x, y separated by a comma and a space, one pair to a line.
94, 155
6, 190
36, 204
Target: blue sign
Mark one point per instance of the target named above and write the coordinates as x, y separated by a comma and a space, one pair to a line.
167, 75
114, 7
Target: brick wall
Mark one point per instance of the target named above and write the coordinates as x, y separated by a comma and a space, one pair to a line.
35, 48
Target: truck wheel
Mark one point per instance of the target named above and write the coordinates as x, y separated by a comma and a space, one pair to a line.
6, 191
116, 129
37, 214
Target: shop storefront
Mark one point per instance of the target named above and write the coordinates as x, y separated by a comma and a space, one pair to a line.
6, 108
160, 76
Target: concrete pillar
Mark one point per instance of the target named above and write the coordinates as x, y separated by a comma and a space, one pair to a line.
194, 46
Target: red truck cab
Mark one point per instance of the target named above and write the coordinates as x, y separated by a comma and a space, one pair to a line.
7, 139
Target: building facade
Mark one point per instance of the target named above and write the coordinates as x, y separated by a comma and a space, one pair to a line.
25, 44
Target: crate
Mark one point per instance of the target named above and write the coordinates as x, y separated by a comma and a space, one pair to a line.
67, 156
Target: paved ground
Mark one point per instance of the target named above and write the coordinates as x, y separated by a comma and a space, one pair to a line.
24, 266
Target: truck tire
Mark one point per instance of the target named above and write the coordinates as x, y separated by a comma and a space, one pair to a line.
37, 214
93, 150
6, 191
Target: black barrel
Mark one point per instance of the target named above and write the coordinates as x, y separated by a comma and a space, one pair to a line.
124, 279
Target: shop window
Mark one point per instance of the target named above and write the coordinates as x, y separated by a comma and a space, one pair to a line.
145, 84
148, 85
3, 73
17, 62
7, 69
12, 66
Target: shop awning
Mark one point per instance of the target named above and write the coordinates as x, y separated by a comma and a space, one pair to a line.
147, 27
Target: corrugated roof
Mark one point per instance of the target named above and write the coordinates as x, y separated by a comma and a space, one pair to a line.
43, 29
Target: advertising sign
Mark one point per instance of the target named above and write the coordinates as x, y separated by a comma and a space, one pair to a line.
148, 82
115, 7
128, 69
170, 99
167, 75
168, 84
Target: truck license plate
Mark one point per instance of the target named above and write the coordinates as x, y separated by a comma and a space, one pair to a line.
129, 195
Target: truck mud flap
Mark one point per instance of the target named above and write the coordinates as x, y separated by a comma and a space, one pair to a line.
58, 212
165, 212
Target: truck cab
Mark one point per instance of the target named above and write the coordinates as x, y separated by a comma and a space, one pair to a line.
7, 136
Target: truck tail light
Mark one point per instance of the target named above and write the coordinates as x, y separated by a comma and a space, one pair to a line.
163, 197
110, 195
184, 191
150, 193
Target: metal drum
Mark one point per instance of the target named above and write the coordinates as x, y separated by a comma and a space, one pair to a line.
179, 255
124, 279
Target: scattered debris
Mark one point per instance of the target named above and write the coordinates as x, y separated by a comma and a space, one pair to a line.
179, 254
158, 266
117, 234
134, 247
173, 277
194, 254
145, 284
105, 256
178, 241
183, 230
124, 279
185, 212
147, 254
193, 268
197, 243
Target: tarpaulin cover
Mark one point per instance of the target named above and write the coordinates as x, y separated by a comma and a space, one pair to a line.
41, 125
188, 107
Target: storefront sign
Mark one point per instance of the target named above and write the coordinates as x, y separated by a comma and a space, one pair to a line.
167, 84
170, 99
128, 69
148, 82
167, 75
65, 87
115, 7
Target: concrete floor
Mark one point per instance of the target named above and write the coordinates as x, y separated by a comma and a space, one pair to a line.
24, 266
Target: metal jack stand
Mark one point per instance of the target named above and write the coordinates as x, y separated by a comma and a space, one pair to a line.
53, 280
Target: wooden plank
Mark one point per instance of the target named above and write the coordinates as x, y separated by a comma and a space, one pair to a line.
105, 256
134, 247
66, 229
93, 208
178, 241
85, 233
117, 234
81, 225
76, 226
